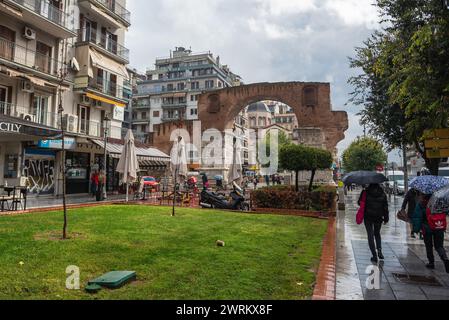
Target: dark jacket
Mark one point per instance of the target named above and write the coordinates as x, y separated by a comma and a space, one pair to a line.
410, 202
376, 205
419, 220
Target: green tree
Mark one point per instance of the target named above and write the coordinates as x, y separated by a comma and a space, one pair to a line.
364, 154
405, 79
298, 158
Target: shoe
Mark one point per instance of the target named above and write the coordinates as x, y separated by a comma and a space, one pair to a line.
380, 255
413, 236
374, 260
446, 265
430, 266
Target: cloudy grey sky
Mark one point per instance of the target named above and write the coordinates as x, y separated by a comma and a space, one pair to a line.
261, 40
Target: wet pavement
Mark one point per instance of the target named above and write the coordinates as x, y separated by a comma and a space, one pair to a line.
403, 275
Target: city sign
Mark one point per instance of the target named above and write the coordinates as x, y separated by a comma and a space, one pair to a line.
10, 127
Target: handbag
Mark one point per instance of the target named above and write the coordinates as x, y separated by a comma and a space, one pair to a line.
403, 216
361, 212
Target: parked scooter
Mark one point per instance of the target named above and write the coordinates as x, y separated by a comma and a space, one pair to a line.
213, 200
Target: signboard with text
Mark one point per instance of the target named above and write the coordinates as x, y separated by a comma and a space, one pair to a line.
69, 144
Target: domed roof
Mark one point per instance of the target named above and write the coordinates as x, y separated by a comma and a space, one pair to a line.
258, 107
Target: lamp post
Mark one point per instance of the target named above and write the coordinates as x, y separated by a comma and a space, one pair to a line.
106, 122
63, 166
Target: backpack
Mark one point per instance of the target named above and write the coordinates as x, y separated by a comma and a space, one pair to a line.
437, 222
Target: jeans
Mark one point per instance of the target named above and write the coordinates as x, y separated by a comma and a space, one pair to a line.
374, 238
435, 239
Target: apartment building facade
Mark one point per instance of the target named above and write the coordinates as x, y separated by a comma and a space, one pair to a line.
172, 88
54, 54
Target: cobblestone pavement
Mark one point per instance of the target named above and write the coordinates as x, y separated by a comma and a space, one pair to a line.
404, 257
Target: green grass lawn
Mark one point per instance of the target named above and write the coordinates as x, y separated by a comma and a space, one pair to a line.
265, 257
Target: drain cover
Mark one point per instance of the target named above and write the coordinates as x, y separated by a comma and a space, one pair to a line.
417, 279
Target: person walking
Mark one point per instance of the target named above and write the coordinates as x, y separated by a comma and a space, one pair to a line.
376, 213
409, 206
94, 183
433, 235
101, 185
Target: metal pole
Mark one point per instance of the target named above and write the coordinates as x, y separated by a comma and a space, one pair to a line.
63, 168
105, 163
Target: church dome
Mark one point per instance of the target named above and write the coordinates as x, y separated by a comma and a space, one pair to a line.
258, 107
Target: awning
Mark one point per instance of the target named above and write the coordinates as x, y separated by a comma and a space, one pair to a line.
103, 62
143, 154
28, 130
102, 99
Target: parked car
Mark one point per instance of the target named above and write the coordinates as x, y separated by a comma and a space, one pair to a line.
400, 187
150, 182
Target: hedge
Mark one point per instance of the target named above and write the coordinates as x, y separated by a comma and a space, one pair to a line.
321, 199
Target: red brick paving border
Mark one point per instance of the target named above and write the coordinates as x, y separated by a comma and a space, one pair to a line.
325, 288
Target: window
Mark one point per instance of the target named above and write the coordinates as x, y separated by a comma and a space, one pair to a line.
310, 96
195, 85
39, 109
194, 97
11, 166
193, 112
43, 57
144, 115
209, 84
7, 40
161, 76
181, 86
156, 114
170, 87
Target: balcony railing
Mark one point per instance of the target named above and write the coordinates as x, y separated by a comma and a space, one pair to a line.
168, 118
117, 9
107, 87
48, 11
48, 119
29, 58
109, 45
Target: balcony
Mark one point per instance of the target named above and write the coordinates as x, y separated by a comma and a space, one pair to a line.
106, 87
181, 105
48, 119
107, 46
43, 15
172, 118
30, 59
109, 7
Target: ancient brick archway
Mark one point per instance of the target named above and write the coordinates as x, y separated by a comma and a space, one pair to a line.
310, 101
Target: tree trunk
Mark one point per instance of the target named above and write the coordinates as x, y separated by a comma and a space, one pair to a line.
433, 165
311, 180
297, 181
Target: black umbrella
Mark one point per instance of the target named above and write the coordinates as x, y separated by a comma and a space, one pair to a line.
364, 177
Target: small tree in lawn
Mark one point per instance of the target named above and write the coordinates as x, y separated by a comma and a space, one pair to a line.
321, 160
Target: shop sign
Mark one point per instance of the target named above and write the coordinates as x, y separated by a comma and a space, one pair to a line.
69, 144
10, 127
118, 113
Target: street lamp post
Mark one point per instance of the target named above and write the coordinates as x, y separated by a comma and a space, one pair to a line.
63, 166
106, 121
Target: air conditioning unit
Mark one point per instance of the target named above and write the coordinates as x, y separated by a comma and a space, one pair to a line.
71, 122
29, 34
27, 86
28, 117
85, 100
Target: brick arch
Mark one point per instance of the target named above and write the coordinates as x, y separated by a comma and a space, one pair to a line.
218, 109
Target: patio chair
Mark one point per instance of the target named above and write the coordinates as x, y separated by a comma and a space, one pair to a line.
5, 200
19, 199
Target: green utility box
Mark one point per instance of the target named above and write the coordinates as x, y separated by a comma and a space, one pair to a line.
114, 280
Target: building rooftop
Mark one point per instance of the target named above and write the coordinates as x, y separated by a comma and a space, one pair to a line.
258, 107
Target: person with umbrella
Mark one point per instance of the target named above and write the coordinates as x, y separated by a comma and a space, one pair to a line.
430, 219
409, 206
376, 208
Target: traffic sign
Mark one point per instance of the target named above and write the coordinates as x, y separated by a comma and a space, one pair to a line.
437, 153
437, 144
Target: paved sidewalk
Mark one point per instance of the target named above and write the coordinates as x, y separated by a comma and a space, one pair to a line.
34, 202
403, 256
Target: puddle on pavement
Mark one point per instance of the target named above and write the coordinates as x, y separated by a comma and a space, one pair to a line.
417, 280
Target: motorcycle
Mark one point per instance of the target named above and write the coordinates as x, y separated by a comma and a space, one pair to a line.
212, 200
